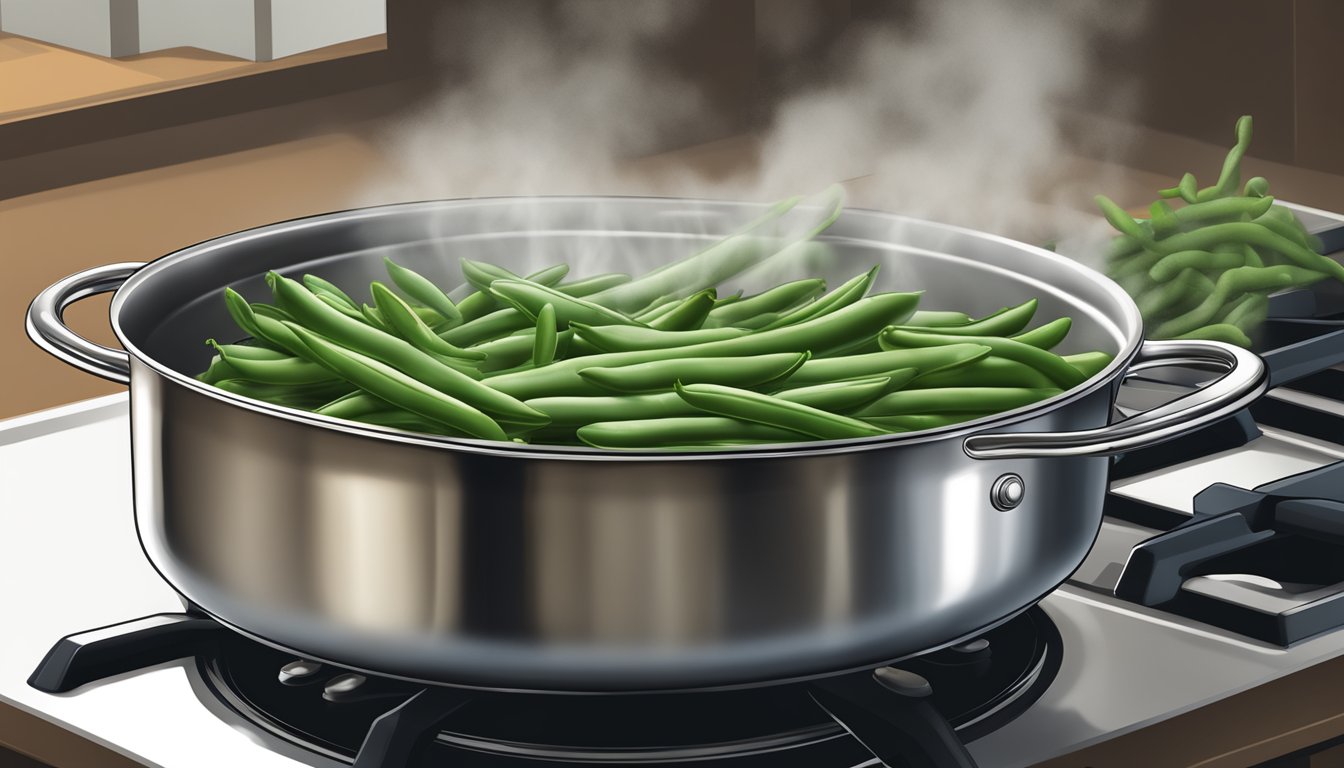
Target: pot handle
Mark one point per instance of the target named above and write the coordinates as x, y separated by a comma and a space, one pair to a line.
1245, 380
46, 324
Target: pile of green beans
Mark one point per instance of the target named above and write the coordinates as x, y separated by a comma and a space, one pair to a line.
1205, 270
659, 361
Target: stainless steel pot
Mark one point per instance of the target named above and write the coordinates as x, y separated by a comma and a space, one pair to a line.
525, 567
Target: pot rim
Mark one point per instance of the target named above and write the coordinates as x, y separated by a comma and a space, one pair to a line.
1118, 364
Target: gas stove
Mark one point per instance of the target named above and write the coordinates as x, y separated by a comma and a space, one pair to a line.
1218, 568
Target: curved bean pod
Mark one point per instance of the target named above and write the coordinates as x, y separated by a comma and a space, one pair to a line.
926, 361
529, 298
773, 412
401, 355
984, 372
1004, 322
1047, 336
1224, 332
661, 375
421, 289
545, 339
678, 433
938, 319
408, 325
688, 315
777, 299
389, 384
1171, 265
1061, 373
318, 285
1230, 284
851, 291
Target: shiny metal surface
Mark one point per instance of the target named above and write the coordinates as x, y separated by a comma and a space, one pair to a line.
47, 329
1246, 379
488, 564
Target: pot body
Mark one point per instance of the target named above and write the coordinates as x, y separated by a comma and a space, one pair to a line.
519, 567
594, 575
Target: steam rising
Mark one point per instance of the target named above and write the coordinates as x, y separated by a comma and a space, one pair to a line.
950, 112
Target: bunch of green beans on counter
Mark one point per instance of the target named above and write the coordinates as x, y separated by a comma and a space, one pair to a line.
660, 361
1205, 270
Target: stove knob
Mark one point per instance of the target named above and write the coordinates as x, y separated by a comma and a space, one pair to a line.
973, 646
902, 681
1007, 492
299, 672
343, 687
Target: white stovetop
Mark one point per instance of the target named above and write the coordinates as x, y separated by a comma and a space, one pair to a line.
69, 561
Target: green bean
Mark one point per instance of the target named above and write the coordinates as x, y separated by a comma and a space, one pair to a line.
937, 319
681, 432
403, 391
777, 299
1089, 363
1223, 332
1171, 265
851, 291
914, 422
1163, 219
631, 338
1257, 186
577, 411
375, 318
833, 396
836, 332
657, 309
1004, 322
352, 405
1230, 284
774, 412
529, 298
1223, 208
839, 396
318, 285
1248, 253
290, 370
305, 396
545, 339
688, 315
408, 325
1139, 264
590, 285
407, 422
1254, 234
1121, 220
481, 303
1248, 313
660, 375
245, 318
1230, 178
422, 290
481, 274
709, 267
1122, 246
983, 372
271, 311
250, 351
512, 351
926, 361
954, 400
499, 323
1173, 295
1060, 372
338, 305
1187, 188
217, 371
1283, 223
1047, 336
401, 355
